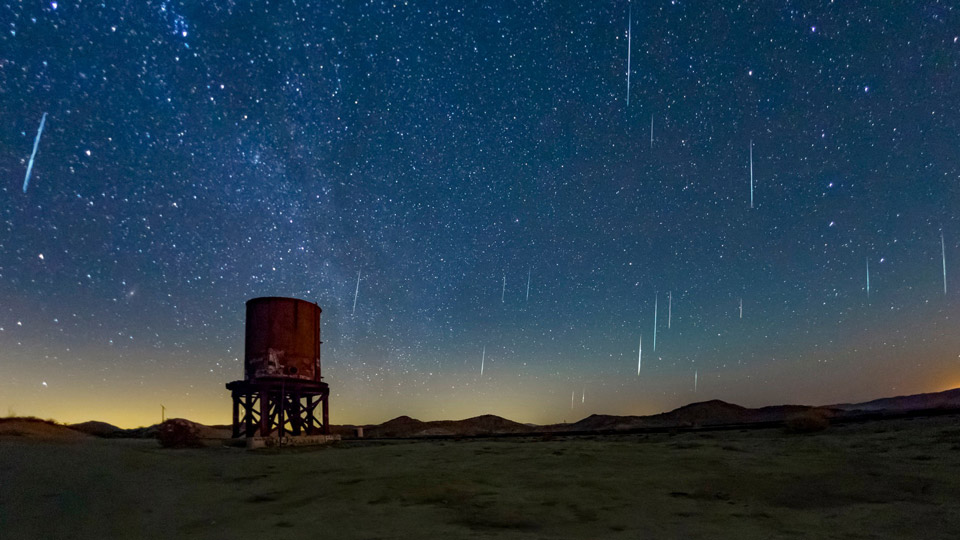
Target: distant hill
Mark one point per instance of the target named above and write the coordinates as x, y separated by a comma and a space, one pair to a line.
97, 429
600, 422
35, 428
707, 413
110, 431
948, 399
404, 426
701, 414
704, 413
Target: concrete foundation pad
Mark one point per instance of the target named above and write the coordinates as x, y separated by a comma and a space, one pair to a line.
292, 440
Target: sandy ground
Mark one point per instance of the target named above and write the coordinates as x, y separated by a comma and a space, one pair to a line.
891, 479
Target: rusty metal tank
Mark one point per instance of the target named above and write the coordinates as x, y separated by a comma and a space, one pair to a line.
282, 339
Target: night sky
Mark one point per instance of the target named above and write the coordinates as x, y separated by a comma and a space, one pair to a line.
198, 154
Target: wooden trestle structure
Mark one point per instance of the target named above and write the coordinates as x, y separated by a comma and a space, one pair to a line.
279, 407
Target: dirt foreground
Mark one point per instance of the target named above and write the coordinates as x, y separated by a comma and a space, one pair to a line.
889, 479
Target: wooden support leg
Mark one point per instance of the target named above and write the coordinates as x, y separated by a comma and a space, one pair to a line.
248, 415
265, 426
281, 414
308, 414
326, 413
298, 416
236, 414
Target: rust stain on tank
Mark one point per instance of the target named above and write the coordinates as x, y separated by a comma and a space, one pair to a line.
282, 339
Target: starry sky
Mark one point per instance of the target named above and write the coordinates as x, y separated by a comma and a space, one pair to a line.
477, 164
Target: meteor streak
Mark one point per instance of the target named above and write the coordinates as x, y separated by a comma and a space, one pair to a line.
36, 144
483, 359
528, 283
655, 299
356, 293
629, 40
640, 356
751, 173
943, 256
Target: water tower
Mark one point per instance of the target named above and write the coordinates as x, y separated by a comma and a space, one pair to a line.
282, 386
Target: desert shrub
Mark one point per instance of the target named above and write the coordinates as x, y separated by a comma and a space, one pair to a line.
807, 422
177, 433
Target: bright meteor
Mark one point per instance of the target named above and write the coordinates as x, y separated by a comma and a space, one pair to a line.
356, 294
640, 355
943, 256
36, 144
655, 300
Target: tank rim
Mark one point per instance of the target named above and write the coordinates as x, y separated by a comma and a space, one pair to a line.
270, 298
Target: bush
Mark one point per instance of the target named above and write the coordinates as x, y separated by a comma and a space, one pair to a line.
178, 433
808, 422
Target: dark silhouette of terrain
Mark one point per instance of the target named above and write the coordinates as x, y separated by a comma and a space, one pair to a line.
98, 429
948, 399
702, 415
705, 414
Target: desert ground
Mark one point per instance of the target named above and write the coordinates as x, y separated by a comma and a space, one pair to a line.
884, 479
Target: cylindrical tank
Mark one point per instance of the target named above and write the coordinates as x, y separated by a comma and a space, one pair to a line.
282, 339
